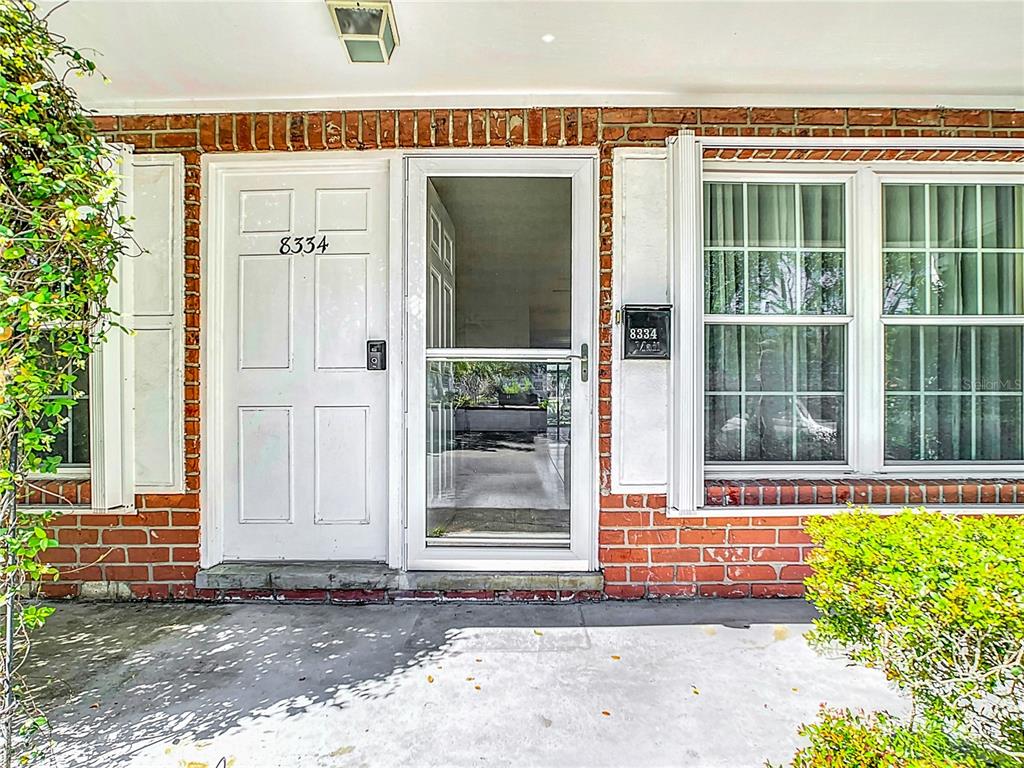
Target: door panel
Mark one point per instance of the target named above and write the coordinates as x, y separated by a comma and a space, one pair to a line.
265, 311
342, 461
342, 287
304, 423
265, 464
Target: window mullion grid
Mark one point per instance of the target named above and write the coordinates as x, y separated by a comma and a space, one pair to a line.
980, 263
974, 331
794, 320
743, 392
798, 293
798, 307
746, 254
743, 328
83, 401
69, 436
852, 327
920, 391
927, 250
948, 249
970, 323
974, 394
866, 324
792, 402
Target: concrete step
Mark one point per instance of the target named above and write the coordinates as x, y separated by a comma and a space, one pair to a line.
373, 576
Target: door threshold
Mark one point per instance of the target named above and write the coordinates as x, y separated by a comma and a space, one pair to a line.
340, 575
491, 581
297, 574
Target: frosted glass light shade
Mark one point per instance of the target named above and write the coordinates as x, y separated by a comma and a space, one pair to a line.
366, 28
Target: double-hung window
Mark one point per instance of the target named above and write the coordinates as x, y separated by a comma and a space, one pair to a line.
866, 319
953, 314
776, 261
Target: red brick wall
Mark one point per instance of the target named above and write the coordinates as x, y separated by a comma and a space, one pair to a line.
767, 492
155, 551
646, 554
643, 553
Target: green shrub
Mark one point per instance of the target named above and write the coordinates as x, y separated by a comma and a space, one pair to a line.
937, 603
845, 739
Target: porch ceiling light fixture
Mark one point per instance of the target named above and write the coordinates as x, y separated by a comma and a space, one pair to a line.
366, 28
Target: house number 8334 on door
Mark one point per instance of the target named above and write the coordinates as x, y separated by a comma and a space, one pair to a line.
296, 245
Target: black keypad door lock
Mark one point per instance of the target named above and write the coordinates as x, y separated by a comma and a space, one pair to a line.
376, 355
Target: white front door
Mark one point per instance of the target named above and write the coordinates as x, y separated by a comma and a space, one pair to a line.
303, 430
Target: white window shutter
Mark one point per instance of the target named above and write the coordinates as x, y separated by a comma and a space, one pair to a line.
112, 389
158, 296
686, 476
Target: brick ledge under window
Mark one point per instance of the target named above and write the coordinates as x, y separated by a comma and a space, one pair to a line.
768, 492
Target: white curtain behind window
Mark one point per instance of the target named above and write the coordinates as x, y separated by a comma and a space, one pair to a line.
954, 392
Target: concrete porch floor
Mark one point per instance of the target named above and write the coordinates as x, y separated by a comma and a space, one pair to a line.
695, 684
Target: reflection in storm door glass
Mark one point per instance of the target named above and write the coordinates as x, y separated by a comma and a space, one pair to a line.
500, 467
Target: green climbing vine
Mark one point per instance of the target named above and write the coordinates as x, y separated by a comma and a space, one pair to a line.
60, 242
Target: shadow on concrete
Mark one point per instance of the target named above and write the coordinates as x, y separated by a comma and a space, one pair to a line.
121, 680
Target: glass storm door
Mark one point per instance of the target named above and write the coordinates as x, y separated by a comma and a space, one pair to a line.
500, 316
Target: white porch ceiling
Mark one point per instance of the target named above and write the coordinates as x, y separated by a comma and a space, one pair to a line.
234, 55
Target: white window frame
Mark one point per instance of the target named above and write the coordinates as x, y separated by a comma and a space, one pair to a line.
865, 386
111, 467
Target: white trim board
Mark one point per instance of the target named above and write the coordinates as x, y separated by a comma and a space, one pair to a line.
686, 468
716, 97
